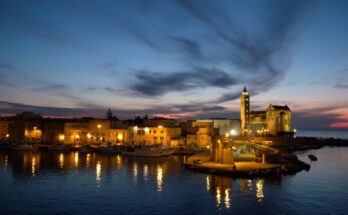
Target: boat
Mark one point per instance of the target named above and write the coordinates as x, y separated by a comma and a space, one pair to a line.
158, 151
5, 145
312, 157
183, 151
86, 149
24, 147
60, 147
110, 149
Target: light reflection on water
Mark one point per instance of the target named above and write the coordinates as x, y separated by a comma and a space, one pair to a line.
98, 172
163, 181
76, 159
159, 178
88, 160
33, 163
259, 189
61, 160
146, 172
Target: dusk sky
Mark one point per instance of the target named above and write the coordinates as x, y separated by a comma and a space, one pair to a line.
180, 59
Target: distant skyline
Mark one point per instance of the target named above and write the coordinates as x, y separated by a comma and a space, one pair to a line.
178, 59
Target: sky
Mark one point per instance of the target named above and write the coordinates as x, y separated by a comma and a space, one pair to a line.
178, 59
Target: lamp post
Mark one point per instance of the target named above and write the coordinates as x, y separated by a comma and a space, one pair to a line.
36, 134
99, 127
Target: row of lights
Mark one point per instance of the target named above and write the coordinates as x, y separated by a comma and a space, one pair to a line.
146, 129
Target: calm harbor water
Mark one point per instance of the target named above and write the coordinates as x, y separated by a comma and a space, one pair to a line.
73, 183
343, 134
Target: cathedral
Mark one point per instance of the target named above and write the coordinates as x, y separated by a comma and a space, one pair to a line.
274, 121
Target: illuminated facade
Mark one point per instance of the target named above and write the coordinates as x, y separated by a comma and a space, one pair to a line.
244, 110
200, 133
4, 130
225, 126
275, 120
168, 136
93, 131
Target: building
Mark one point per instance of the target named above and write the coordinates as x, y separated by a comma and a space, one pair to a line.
200, 133
244, 110
225, 126
94, 131
143, 135
275, 120
159, 121
26, 128
4, 129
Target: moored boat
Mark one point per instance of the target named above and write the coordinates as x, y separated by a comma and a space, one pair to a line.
24, 147
86, 149
60, 147
149, 152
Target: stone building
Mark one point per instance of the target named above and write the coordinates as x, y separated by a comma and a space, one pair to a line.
168, 136
275, 120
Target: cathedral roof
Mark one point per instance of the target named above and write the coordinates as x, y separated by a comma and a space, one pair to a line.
280, 107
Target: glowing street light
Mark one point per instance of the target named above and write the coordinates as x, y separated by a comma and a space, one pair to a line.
233, 132
61, 137
99, 126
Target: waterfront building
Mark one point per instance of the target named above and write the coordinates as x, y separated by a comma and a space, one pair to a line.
160, 121
200, 133
225, 126
275, 120
84, 131
143, 135
26, 127
4, 129
52, 129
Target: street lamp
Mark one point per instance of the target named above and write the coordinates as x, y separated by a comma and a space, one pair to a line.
35, 134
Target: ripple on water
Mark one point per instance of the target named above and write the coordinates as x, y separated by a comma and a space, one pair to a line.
67, 183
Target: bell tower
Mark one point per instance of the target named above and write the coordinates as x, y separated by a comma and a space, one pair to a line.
244, 110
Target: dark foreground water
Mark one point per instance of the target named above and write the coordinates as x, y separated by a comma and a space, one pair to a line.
72, 183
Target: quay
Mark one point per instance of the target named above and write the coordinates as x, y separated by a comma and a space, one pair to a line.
244, 169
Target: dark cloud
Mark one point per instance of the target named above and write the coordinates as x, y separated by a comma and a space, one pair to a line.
341, 86
110, 89
143, 36
190, 47
51, 87
13, 108
228, 97
6, 66
155, 83
263, 56
258, 60
195, 110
